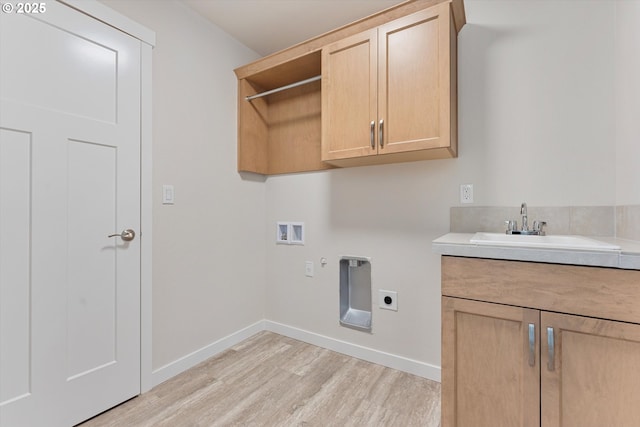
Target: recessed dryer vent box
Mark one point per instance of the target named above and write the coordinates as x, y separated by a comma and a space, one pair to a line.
355, 292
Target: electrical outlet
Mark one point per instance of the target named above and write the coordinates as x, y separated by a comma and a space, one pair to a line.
466, 193
388, 300
308, 268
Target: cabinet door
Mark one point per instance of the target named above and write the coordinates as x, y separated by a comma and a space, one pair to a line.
594, 378
349, 79
414, 81
490, 373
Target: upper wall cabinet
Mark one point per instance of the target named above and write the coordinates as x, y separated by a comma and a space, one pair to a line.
389, 94
280, 132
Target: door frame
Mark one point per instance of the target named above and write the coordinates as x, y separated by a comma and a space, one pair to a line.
147, 39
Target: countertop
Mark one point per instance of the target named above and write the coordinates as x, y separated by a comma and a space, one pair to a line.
628, 257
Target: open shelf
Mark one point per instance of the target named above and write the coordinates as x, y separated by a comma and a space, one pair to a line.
281, 132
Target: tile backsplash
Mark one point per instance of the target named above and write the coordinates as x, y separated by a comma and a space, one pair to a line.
618, 221
628, 222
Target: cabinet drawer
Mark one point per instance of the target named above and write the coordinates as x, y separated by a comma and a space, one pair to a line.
606, 293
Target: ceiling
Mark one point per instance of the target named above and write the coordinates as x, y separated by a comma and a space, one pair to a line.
267, 26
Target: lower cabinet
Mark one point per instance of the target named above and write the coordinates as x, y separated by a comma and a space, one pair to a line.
505, 365
590, 375
487, 377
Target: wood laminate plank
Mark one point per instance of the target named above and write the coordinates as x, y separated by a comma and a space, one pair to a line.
272, 380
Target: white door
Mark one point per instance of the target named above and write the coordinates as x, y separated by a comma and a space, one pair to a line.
69, 177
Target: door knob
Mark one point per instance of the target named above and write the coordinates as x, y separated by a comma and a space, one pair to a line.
126, 235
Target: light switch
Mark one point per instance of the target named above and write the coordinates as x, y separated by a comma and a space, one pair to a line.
167, 194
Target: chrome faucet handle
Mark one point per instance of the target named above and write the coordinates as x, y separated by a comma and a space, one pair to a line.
538, 226
523, 212
511, 226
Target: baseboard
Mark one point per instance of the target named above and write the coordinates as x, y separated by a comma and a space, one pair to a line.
176, 367
389, 360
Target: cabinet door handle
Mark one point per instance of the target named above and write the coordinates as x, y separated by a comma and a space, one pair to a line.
381, 133
551, 362
532, 344
373, 135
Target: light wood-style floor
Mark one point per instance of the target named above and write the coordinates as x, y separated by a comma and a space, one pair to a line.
272, 380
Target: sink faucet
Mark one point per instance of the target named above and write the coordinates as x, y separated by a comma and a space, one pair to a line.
523, 212
538, 226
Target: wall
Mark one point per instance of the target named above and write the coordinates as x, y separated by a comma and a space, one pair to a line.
389, 213
208, 248
536, 124
537, 107
628, 104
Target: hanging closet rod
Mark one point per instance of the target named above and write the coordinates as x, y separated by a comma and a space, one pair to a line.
279, 89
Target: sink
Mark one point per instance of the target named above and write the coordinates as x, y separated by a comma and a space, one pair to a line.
550, 242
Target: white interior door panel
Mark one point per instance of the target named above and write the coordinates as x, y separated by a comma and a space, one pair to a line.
69, 178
